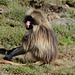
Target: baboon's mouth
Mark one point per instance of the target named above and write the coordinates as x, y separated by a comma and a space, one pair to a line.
28, 24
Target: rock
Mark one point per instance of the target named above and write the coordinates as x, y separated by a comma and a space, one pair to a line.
62, 21
1, 46
1, 11
52, 16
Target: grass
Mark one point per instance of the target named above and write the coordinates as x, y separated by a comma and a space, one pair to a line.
12, 28
11, 36
69, 14
65, 34
4, 2
16, 11
38, 70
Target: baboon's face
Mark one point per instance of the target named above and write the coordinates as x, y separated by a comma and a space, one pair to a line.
29, 22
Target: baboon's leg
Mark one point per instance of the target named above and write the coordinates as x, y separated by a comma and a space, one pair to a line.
39, 63
27, 57
17, 51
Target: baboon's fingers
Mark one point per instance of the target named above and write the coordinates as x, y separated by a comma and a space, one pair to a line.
39, 63
9, 62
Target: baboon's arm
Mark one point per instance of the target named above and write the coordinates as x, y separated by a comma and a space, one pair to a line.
17, 51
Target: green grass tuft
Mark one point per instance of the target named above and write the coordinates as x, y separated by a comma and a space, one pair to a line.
65, 34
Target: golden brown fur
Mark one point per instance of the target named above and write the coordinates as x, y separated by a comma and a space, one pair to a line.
39, 43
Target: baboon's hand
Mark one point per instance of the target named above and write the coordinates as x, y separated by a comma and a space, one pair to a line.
8, 58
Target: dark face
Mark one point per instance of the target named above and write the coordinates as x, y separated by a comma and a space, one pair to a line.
29, 22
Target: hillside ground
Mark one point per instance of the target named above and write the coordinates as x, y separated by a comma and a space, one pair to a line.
12, 30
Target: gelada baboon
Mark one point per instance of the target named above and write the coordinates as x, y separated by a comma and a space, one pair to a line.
39, 43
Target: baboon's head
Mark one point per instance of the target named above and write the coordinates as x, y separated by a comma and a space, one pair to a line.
34, 17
